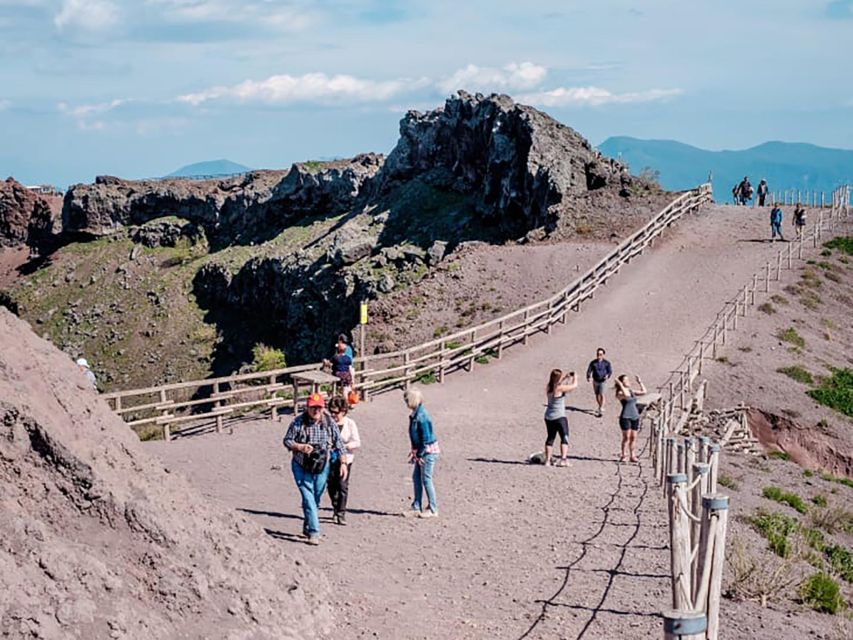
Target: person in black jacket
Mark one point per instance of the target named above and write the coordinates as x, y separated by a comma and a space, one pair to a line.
598, 371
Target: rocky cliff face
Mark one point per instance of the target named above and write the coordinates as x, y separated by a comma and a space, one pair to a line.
523, 168
100, 541
242, 209
26, 218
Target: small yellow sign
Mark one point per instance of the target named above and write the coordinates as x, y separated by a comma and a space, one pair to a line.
363, 313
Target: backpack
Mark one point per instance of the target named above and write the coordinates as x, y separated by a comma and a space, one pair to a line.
315, 461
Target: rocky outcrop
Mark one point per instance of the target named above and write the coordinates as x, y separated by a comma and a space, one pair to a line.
165, 234
26, 218
241, 209
101, 541
523, 168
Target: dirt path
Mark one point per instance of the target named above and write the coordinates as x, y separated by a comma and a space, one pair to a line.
519, 551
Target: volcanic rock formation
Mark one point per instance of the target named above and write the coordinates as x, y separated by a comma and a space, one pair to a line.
100, 541
26, 218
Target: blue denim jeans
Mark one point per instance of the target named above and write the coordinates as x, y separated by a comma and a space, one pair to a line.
776, 228
311, 486
422, 480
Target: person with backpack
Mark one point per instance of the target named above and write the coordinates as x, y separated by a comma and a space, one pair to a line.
763, 189
776, 223
310, 438
799, 221
744, 191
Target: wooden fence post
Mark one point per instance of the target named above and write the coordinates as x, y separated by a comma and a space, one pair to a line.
714, 461
701, 471
441, 362
684, 625
679, 531
273, 407
767, 277
716, 505
526, 316
218, 405
778, 266
501, 340
473, 342
164, 412
704, 449
406, 358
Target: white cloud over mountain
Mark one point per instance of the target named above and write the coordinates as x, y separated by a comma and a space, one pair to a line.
88, 15
594, 96
511, 77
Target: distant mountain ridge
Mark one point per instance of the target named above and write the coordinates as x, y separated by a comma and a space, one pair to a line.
221, 167
785, 165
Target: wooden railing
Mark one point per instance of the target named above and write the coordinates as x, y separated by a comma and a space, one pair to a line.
687, 467
202, 403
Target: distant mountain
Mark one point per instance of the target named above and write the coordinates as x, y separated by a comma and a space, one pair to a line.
785, 165
209, 168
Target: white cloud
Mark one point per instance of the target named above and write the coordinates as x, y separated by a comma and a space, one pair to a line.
594, 96
88, 15
311, 87
512, 77
270, 14
87, 115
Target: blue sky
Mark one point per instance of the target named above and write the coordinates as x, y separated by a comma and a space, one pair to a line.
139, 88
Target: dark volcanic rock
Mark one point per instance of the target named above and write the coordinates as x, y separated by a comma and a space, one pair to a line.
523, 167
245, 208
25, 216
165, 234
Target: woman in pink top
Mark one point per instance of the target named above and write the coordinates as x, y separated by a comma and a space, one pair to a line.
339, 487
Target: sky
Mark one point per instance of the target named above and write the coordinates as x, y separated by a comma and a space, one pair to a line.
138, 88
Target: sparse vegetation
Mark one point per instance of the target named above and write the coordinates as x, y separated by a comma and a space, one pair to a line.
785, 497
767, 308
836, 391
754, 577
841, 561
791, 336
728, 482
428, 377
779, 455
832, 519
839, 479
797, 373
842, 243
779, 299
821, 593
266, 358
819, 500
440, 331
777, 528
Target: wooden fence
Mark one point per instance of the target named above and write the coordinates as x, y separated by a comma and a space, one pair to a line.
205, 404
687, 467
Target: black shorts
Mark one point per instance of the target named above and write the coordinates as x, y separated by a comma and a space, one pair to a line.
632, 424
561, 426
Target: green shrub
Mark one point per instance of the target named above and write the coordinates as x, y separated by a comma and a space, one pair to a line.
779, 299
814, 538
440, 331
427, 377
266, 358
766, 307
796, 372
819, 501
482, 359
847, 482
785, 497
779, 455
791, 336
808, 473
776, 527
842, 243
841, 561
836, 391
728, 482
821, 593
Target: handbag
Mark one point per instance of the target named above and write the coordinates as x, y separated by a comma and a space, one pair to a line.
352, 398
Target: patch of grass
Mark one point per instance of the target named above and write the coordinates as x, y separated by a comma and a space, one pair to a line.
755, 577
832, 519
810, 300
819, 501
847, 482
440, 331
785, 497
821, 593
832, 276
779, 299
776, 527
452, 344
836, 391
797, 373
728, 482
842, 243
767, 308
808, 473
841, 561
428, 377
814, 538
482, 359
791, 336
149, 432
779, 455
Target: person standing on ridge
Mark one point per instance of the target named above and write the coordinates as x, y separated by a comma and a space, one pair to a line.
776, 223
598, 372
799, 220
555, 414
762, 192
310, 437
744, 191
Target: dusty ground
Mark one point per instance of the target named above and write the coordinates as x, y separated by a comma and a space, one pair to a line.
519, 551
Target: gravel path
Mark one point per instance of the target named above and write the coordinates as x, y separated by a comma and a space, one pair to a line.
519, 551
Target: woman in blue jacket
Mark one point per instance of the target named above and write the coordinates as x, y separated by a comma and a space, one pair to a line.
423, 455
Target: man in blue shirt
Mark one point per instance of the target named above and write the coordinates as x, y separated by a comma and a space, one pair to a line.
598, 371
776, 223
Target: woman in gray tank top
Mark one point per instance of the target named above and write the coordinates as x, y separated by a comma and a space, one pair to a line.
629, 419
555, 414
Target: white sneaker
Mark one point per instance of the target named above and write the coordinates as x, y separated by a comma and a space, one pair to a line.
428, 514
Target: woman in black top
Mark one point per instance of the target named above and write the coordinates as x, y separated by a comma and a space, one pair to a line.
629, 418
